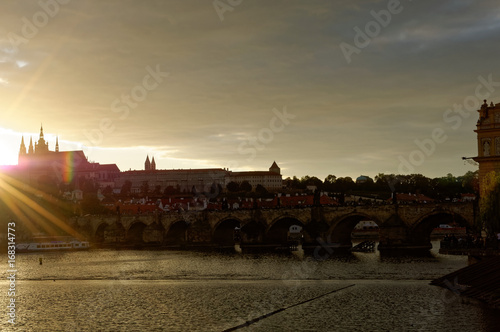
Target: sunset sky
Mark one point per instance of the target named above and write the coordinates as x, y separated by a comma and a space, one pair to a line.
321, 87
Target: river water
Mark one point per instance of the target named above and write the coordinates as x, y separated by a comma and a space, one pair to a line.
107, 290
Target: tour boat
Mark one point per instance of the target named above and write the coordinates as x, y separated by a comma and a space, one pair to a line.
366, 229
52, 244
445, 229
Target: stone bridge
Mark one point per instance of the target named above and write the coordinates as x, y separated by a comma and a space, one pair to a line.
400, 226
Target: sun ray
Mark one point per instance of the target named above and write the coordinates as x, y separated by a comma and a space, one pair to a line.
26, 209
17, 212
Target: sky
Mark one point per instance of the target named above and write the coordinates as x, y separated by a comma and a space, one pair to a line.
321, 87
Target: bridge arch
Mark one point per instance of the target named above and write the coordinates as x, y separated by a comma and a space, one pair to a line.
107, 233
277, 232
135, 233
420, 232
341, 229
99, 236
253, 232
176, 234
223, 232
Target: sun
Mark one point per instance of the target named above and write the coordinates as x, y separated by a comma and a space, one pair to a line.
10, 142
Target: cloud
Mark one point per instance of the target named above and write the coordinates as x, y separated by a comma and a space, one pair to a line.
226, 77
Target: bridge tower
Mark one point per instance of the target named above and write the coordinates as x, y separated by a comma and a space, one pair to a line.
488, 141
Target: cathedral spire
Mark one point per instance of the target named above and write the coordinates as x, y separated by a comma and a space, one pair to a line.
30, 149
22, 149
147, 164
57, 143
153, 164
41, 146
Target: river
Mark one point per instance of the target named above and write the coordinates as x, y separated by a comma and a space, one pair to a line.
145, 290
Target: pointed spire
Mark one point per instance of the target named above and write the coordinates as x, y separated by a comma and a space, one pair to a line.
41, 146
153, 164
30, 149
22, 149
147, 164
57, 143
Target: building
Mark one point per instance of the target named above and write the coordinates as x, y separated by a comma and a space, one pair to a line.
195, 180
488, 140
271, 180
38, 163
181, 180
362, 179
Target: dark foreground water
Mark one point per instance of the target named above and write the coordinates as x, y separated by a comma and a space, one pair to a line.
105, 290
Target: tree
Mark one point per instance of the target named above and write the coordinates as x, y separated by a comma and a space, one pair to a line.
261, 190
107, 191
157, 190
246, 186
126, 188
293, 183
88, 185
387, 182
91, 204
489, 206
170, 190
420, 184
344, 185
311, 181
470, 182
329, 181
447, 186
233, 187
145, 188
366, 184
215, 189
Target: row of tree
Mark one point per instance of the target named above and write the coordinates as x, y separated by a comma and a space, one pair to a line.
448, 186
382, 186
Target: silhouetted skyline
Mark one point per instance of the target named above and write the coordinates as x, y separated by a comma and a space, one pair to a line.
320, 87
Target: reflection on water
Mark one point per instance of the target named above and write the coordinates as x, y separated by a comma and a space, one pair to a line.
195, 291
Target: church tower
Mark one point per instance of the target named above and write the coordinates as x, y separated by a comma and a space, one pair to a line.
488, 140
22, 152
41, 146
274, 168
147, 164
22, 149
153, 164
30, 149
57, 143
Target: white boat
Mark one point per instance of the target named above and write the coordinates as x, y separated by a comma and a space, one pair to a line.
52, 244
445, 229
365, 229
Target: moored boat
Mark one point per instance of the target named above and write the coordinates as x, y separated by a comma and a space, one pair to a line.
365, 229
52, 244
445, 229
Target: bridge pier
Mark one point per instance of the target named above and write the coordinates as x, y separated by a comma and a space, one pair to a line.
396, 237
